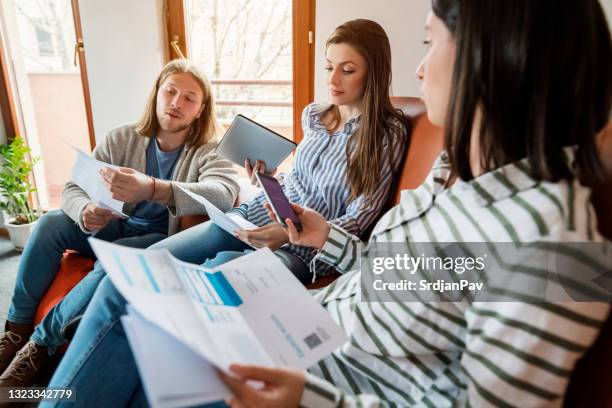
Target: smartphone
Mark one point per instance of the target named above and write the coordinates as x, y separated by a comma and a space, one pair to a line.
277, 199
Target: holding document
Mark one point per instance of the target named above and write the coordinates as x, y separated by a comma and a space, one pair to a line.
127, 192
225, 315
86, 175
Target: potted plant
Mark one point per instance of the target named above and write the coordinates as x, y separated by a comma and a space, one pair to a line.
15, 188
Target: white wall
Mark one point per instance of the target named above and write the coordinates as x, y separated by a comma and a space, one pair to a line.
124, 50
403, 21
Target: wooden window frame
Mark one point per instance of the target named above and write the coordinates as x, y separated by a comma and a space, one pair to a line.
7, 103
303, 61
303, 26
78, 28
174, 11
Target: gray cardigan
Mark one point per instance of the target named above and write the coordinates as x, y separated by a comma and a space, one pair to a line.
198, 170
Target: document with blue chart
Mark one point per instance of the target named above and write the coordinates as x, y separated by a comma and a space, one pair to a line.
251, 310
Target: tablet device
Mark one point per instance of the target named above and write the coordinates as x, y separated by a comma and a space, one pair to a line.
277, 199
246, 138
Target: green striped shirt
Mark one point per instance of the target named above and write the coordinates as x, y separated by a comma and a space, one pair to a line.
462, 353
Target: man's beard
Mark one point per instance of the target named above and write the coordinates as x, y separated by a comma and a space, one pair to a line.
165, 124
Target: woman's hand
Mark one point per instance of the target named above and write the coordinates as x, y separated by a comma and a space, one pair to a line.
127, 184
314, 231
283, 387
260, 166
272, 236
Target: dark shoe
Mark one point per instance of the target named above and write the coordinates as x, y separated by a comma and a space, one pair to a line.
25, 366
12, 340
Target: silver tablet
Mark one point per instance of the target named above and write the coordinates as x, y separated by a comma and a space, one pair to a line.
246, 138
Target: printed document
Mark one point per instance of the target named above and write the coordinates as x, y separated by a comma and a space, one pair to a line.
86, 174
251, 310
172, 374
230, 222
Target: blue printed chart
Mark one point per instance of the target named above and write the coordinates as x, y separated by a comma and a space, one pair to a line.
211, 288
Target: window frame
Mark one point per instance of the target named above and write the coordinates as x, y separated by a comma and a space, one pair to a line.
303, 27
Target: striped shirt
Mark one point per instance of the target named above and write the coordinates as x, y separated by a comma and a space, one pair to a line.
318, 180
462, 353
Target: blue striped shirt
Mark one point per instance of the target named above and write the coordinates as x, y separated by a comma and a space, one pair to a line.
318, 181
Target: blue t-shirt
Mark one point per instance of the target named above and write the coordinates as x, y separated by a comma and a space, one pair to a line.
148, 215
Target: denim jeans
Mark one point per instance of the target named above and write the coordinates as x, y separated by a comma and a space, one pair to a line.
207, 242
200, 243
54, 233
99, 363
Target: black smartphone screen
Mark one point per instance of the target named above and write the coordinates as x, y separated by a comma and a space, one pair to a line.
279, 202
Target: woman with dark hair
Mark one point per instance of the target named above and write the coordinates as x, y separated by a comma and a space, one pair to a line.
522, 88
344, 167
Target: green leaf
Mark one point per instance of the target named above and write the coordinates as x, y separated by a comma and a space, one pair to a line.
15, 175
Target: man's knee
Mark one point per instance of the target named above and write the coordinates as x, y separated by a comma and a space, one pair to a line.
55, 221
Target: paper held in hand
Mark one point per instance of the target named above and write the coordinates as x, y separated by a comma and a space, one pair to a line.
229, 222
251, 310
86, 174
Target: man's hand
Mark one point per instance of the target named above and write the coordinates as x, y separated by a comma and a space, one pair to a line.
95, 218
127, 185
315, 228
272, 236
283, 387
260, 166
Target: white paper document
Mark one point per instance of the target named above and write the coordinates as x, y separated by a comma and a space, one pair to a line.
173, 374
251, 310
229, 222
86, 174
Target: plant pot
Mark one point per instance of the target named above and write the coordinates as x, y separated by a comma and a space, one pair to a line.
19, 233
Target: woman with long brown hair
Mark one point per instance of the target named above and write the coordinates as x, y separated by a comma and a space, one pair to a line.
344, 167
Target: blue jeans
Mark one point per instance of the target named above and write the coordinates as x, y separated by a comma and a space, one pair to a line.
200, 243
99, 363
55, 232
206, 242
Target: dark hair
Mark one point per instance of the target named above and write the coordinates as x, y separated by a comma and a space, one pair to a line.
541, 74
364, 150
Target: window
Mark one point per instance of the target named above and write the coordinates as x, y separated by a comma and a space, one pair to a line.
45, 42
42, 93
257, 53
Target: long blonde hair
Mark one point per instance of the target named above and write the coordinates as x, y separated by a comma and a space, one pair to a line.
204, 128
364, 151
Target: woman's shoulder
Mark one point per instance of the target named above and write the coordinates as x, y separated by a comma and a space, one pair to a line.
398, 131
314, 108
311, 115
398, 123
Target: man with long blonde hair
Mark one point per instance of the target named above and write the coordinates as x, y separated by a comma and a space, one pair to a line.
171, 146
